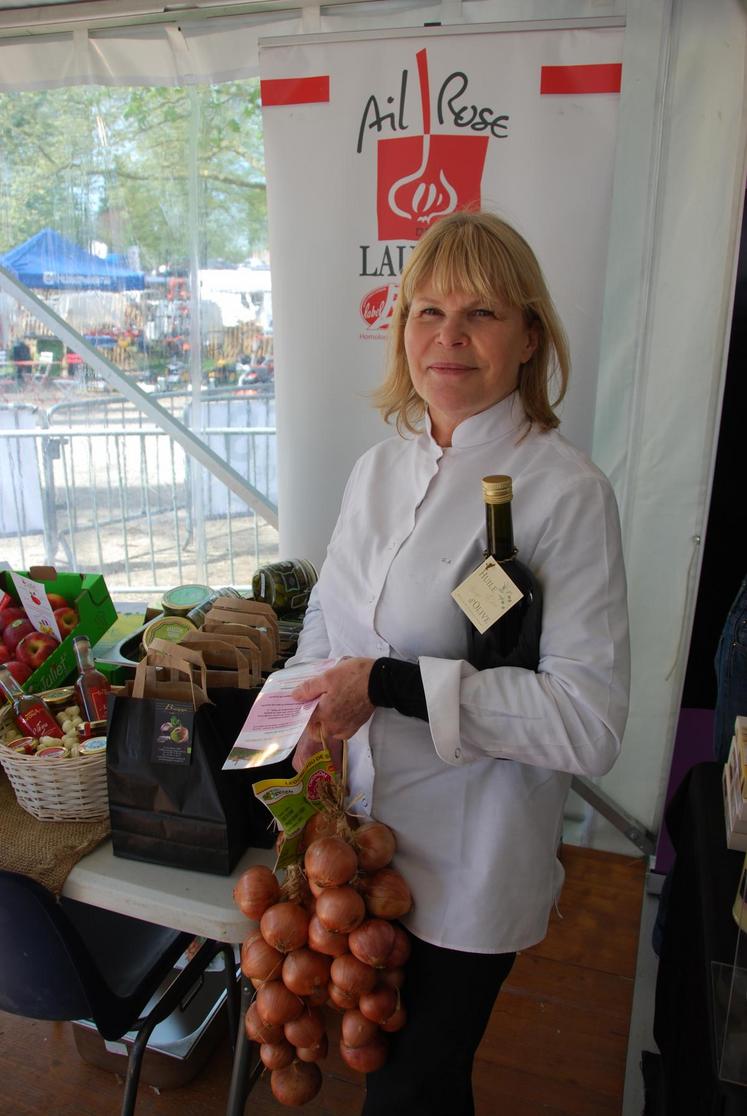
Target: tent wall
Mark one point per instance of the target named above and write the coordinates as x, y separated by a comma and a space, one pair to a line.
678, 191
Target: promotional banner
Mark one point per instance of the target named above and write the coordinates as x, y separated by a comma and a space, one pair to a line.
368, 142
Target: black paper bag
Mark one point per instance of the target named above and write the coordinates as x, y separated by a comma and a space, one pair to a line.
169, 801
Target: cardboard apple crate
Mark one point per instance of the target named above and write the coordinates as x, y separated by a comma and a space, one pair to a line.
89, 596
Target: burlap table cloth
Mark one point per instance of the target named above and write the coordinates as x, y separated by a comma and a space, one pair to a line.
45, 850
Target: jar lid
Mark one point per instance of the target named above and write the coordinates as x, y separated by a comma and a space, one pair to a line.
93, 745
59, 697
26, 745
182, 598
497, 489
52, 751
172, 628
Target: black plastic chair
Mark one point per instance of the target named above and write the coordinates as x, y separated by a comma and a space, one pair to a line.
68, 960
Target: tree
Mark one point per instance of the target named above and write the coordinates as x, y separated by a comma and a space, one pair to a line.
116, 165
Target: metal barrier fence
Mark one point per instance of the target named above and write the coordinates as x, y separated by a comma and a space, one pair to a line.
90, 485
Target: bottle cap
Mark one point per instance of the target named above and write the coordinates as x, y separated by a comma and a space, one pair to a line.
497, 490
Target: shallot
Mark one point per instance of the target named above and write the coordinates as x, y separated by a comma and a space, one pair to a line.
256, 890
330, 862
401, 950
352, 975
296, 1084
365, 1058
341, 999
386, 893
276, 1004
356, 1030
380, 1003
375, 845
305, 971
326, 941
259, 961
372, 942
276, 1055
313, 1053
260, 1032
340, 909
307, 1030
285, 926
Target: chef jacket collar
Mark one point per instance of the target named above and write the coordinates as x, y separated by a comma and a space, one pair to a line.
500, 419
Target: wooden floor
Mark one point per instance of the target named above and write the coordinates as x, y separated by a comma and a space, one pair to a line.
556, 1044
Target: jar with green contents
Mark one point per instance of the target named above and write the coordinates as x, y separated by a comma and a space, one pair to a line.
180, 600
285, 586
172, 628
199, 612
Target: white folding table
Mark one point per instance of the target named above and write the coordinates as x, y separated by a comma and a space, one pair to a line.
195, 902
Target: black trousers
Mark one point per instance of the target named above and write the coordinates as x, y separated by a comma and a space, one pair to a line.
449, 996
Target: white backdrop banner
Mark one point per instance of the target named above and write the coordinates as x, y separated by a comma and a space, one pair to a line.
370, 140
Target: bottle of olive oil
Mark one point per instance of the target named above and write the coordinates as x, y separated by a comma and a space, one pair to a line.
514, 638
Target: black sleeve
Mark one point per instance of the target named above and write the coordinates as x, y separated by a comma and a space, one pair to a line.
398, 685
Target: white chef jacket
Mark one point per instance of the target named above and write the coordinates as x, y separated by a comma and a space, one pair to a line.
475, 795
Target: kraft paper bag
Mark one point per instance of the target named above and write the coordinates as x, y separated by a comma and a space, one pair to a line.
169, 801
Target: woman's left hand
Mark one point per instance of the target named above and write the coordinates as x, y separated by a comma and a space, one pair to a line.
343, 692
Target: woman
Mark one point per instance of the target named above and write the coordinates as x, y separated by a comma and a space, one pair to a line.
470, 769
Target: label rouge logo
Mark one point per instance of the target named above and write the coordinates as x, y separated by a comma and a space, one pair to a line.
425, 176
377, 306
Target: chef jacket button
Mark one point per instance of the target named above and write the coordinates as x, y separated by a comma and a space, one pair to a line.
457, 753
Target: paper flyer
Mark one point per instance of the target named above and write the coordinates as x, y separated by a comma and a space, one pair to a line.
275, 722
33, 598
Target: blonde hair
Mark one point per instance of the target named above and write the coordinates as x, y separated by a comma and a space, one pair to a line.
481, 255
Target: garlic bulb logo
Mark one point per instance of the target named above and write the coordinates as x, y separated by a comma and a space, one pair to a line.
427, 193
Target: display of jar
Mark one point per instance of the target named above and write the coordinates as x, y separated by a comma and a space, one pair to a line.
285, 586
199, 612
180, 600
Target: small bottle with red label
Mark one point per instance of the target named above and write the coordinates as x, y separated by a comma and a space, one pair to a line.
91, 687
33, 715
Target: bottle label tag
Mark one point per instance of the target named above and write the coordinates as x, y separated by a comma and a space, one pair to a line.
487, 594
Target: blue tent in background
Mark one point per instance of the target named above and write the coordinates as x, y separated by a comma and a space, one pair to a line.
49, 261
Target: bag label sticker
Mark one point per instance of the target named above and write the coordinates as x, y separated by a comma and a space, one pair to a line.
487, 594
172, 732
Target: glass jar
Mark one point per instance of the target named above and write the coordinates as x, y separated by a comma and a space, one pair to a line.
197, 615
285, 586
180, 600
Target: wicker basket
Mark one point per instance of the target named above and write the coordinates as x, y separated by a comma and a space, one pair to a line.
57, 789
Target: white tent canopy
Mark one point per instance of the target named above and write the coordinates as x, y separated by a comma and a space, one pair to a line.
676, 213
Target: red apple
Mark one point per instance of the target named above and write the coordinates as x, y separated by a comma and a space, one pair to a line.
56, 601
4, 653
19, 671
12, 612
67, 619
35, 648
15, 631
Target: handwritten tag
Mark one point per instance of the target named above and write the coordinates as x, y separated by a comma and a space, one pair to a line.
487, 594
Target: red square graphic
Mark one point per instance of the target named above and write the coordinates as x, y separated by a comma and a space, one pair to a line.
422, 178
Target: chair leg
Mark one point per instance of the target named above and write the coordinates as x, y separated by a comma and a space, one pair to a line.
242, 1077
232, 993
134, 1064
164, 1007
